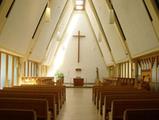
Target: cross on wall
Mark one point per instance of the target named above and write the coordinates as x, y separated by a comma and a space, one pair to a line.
79, 36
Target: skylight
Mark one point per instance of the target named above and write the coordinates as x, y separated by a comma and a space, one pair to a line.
79, 4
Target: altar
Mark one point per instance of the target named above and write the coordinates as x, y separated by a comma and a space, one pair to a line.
78, 81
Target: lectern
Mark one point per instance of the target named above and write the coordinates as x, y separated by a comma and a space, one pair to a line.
78, 81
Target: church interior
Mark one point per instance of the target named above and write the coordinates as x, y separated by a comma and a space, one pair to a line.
79, 59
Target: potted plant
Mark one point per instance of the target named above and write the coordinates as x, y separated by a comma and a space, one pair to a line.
59, 75
59, 78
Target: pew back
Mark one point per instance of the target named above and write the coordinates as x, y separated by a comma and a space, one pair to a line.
17, 114
119, 106
39, 105
141, 114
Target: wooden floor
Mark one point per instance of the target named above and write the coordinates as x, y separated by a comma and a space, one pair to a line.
78, 105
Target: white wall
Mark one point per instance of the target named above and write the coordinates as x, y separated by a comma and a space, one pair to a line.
90, 56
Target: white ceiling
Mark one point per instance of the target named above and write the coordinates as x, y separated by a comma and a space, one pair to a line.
16, 36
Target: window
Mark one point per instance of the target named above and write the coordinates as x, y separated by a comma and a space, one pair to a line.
16, 66
30, 68
8, 70
3, 69
79, 4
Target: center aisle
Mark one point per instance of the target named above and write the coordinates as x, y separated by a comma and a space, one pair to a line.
78, 105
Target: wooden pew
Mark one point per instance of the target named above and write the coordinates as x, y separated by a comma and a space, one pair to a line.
100, 102
109, 98
99, 89
141, 114
119, 106
17, 114
120, 82
39, 105
55, 92
110, 90
20, 94
60, 89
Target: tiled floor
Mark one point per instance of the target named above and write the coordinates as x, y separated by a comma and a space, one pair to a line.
78, 105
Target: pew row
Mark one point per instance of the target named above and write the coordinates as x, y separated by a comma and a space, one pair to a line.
39, 105
119, 106
100, 101
17, 114
40, 90
141, 114
109, 98
20, 94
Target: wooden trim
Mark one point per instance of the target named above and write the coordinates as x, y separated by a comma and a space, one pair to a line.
8, 53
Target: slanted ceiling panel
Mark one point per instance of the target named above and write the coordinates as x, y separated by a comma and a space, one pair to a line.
47, 30
55, 41
136, 25
21, 23
101, 41
110, 31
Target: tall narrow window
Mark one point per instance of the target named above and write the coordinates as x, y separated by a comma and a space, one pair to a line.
10, 72
15, 71
126, 69
26, 68
3, 70
130, 70
30, 69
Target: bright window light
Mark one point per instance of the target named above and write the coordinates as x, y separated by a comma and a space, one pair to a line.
59, 58
79, 2
79, 7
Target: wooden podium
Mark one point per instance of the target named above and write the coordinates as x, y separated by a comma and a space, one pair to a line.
78, 81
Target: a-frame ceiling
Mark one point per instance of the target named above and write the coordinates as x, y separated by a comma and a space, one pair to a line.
122, 28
